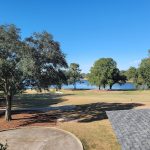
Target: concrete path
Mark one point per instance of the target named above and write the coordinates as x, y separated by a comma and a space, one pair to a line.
40, 138
132, 128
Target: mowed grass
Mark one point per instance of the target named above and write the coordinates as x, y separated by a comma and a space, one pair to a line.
93, 96
89, 122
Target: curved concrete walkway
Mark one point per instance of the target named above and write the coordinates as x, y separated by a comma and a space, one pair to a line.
40, 138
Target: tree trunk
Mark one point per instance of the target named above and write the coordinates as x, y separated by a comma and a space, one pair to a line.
110, 87
8, 108
59, 86
74, 86
99, 87
104, 86
56, 88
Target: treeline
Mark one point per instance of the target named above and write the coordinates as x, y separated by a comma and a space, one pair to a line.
105, 73
140, 76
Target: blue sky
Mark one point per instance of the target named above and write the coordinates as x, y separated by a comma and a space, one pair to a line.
87, 29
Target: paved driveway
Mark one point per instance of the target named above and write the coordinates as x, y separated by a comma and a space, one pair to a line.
132, 128
40, 138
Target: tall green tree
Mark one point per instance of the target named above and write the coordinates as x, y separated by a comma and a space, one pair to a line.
131, 73
141, 75
38, 61
105, 72
12, 52
74, 74
144, 72
48, 58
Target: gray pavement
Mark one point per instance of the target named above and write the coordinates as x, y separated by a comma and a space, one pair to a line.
132, 128
40, 138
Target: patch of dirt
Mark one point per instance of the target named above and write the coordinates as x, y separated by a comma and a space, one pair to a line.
26, 119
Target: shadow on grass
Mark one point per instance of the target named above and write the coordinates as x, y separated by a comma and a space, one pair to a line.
37, 100
78, 89
34, 100
30, 101
81, 113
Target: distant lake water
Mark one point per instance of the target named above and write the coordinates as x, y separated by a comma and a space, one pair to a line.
86, 85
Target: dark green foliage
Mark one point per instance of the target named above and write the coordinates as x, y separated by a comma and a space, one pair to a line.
36, 61
10, 55
105, 72
141, 75
131, 73
144, 73
61, 78
48, 59
74, 74
12, 50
